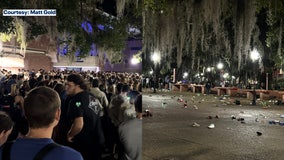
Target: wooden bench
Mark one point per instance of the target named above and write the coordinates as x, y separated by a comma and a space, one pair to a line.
198, 88
242, 92
231, 91
214, 90
221, 91
180, 87
277, 95
262, 94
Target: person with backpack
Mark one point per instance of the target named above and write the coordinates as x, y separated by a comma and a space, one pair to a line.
42, 111
85, 133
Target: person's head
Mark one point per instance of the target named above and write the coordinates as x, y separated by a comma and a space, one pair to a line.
110, 89
119, 88
42, 108
59, 88
14, 76
135, 86
75, 84
125, 88
95, 83
6, 126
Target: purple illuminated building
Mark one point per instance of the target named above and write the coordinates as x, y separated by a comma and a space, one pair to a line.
132, 47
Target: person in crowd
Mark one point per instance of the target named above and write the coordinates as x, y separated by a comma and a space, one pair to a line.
120, 105
110, 92
130, 134
20, 81
85, 133
138, 106
6, 126
12, 103
100, 95
134, 92
17, 113
24, 88
12, 80
32, 80
61, 130
208, 86
120, 110
105, 120
42, 111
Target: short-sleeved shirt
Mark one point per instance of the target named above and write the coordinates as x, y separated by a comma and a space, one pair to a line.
27, 148
130, 134
91, 133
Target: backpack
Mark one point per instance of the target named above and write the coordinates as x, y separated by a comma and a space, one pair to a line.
95, 105
6, 151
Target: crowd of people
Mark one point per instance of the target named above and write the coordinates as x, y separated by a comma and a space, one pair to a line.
85, 115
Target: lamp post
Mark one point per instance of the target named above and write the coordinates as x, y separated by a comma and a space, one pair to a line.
209, 71
220, 67
254, 55
155, 59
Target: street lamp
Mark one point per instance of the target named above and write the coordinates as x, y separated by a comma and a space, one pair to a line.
209, 71
254, 55
220, 66
185, 74
155, 59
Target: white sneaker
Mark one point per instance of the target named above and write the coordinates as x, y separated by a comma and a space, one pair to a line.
211, 126
195, 125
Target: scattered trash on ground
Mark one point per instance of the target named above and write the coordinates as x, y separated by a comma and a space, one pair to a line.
195, 124
258, 133
240, 119
147, 112
211, 126
185, 104
256, 120
273, 121
180, 100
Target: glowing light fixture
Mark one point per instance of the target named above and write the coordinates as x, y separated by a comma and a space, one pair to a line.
220, 65
155, 57
226, 75
134, 60
254, 55
185, 74
208, 69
